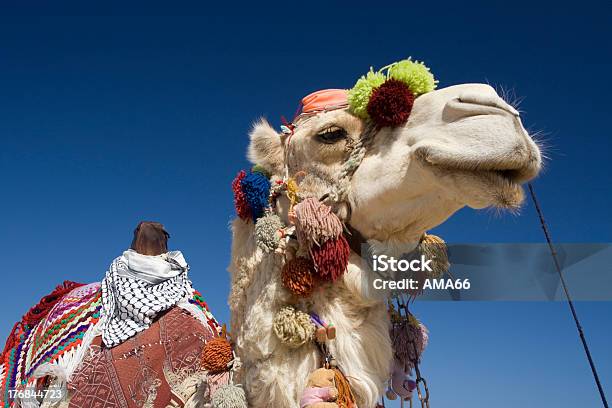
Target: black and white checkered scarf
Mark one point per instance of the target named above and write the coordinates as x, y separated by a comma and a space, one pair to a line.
137, 288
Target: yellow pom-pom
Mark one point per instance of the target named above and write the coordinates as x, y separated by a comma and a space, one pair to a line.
414, 74
359, 95
434, 248
293, 327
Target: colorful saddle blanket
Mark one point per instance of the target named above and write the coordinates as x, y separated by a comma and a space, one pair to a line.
67, 337
57, 336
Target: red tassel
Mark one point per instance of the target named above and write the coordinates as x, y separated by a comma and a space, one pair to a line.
242, 207
331, 258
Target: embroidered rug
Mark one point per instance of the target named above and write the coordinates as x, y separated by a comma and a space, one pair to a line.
158, 367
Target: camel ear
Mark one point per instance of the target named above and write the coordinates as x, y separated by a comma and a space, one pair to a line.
266, 148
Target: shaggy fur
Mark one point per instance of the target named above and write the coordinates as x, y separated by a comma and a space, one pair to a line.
273, 373
461, 146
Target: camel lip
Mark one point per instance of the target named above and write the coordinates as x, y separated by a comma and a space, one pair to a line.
506, 190
509, 173
501, 188
511, 176
508, 176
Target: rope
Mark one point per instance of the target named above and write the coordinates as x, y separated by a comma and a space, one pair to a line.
340, 191
570, 303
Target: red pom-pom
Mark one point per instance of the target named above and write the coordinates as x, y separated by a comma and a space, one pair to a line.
242, 207
391, 103
217, 355
331, 258
297, 276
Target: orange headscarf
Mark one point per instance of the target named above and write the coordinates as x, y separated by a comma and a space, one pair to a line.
326, 99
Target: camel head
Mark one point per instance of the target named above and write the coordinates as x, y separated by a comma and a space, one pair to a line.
458, 146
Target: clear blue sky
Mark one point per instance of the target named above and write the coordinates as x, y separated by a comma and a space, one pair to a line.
105, 121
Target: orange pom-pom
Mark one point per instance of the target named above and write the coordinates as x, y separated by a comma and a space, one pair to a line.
217, 355
297, 276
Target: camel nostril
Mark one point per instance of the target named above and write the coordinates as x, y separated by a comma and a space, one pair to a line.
488, 100
468, 106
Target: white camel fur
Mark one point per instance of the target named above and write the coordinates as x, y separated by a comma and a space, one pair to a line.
462, 146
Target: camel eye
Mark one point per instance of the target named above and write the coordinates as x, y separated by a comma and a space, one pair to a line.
331, 135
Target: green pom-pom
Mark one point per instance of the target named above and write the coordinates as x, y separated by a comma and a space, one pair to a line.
359, 95
414, 74
260, 169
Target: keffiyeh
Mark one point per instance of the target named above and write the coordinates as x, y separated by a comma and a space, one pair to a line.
137, 288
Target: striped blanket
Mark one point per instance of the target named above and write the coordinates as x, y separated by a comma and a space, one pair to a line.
63, 343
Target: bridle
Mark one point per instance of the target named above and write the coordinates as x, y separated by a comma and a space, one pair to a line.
339, 191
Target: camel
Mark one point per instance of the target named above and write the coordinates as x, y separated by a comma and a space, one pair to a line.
462, 145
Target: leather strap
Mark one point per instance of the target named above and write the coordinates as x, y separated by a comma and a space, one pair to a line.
354, 239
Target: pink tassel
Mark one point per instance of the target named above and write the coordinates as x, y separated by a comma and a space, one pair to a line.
409, 342
316, 223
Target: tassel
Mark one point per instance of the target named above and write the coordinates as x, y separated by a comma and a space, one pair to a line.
434, 247
256, 190
331, 258
315, 222
297, 276
293, 327
410, 339
267, 232
217, 353
242, 207
292, 192
229, 396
